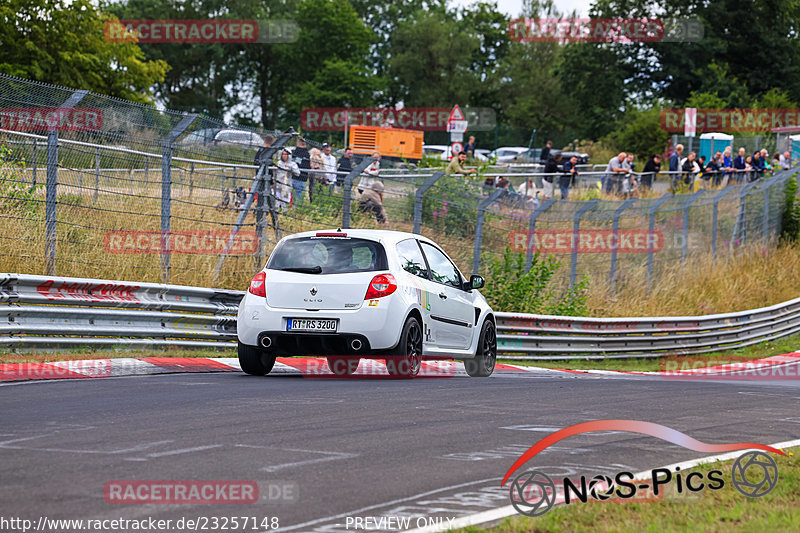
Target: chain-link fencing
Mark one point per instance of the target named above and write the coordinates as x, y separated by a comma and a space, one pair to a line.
92, 186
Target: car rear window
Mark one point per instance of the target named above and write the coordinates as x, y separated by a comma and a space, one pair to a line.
334, 255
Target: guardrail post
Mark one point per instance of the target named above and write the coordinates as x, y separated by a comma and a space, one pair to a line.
612, 278
714, 220
51, 194
348, 189
685, 229
264, 163
166, 191
576, 227
476, 254
651, 229
427, 184
532, 230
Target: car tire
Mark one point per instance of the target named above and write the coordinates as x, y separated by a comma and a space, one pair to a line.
343, 366
406, 358
254, 360
482, 365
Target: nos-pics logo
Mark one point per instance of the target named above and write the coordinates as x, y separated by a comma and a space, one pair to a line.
533, 492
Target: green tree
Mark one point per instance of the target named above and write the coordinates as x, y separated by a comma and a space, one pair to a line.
62, 42
640, 132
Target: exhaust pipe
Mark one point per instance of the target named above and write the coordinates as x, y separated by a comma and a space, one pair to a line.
355, 344
266, 342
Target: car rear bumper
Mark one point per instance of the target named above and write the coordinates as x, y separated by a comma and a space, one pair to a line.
288, 344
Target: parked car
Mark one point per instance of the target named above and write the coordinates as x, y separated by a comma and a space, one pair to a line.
360, 293
222, 137
507, 154
442, 151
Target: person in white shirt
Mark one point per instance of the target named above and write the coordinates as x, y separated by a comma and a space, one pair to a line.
282, 184
328, 165
372, 173
527, 189
784, 161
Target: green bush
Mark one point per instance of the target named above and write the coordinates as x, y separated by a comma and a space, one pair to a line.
451, 206
512, 288
790, 228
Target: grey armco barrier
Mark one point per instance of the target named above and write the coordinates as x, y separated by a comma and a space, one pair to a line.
49, 311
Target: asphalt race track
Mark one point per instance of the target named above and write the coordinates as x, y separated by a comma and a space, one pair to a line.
341, 448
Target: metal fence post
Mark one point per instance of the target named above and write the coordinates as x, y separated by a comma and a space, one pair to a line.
476, 254
34, 156
685, 229
715, 218
259, 192
96, 173
265, 160
532, 230
612, 281
576, 227
765, 222
427, 184
651, 229
166, 191
741, 218
348, 188
51, 194
50, 202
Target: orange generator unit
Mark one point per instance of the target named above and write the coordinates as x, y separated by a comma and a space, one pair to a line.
394, 143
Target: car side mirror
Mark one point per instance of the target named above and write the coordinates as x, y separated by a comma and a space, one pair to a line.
476, 282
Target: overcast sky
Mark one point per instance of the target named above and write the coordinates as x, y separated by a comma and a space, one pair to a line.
513, 7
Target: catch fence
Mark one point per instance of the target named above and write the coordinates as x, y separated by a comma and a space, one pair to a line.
161, 196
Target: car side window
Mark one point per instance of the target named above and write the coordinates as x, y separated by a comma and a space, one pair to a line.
442, 270
411, 258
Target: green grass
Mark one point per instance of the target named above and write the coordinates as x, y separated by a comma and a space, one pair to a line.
755, 351
720, 510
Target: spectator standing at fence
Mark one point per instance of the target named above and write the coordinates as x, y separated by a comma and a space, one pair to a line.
371, 201
758, 165
345, 166
285, 172
785, 161
544, 156
469, 148
748, 169
651, 168
568, 177
690, 168
727, 166
456, 165
675, 166
314, 178
373, 172
329, 166
527, 189
629, 181
616, 168
302, 158
552, 169
739, 166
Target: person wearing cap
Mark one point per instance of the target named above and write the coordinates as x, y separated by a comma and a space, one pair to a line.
285, 172
371, 201
328, 165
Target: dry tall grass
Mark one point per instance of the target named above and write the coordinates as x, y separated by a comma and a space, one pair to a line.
756, 277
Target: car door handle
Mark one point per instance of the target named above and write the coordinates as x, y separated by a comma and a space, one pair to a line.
443, 296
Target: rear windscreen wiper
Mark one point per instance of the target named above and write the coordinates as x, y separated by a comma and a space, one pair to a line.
304, 270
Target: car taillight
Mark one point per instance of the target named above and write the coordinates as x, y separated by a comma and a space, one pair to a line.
258, 285
380, 286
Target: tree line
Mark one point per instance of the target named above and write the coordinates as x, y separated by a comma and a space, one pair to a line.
420, 53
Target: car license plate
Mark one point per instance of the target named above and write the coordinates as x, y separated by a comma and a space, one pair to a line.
323, 325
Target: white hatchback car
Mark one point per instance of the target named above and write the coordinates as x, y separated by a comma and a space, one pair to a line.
360, 293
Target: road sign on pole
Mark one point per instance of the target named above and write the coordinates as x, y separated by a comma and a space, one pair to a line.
456, 148
456, 125
456, 114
